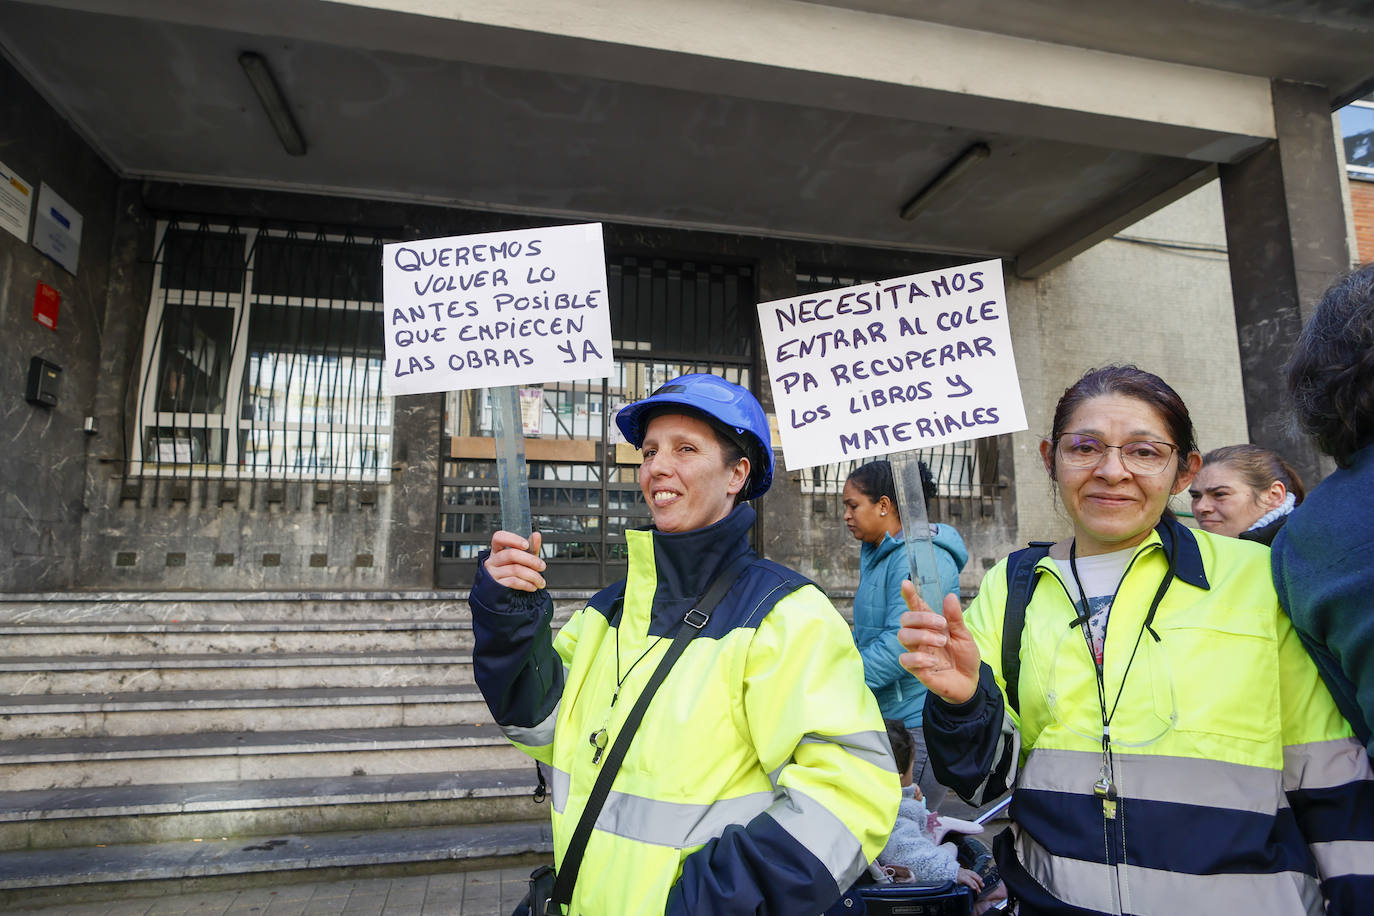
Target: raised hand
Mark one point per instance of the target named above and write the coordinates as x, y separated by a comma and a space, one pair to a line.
940, 650
514, 561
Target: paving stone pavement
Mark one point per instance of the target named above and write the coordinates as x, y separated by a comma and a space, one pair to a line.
474, 893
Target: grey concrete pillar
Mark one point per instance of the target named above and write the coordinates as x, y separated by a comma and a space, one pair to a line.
1285, 232
413, 500
777, 279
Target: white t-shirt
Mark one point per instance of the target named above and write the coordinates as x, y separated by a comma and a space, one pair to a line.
1101, 575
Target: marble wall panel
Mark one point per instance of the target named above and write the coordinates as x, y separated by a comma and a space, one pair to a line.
43, 461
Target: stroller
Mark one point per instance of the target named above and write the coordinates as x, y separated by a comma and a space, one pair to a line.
881, 897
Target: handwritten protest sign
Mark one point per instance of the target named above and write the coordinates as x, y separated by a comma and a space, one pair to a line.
892, 366
500, 308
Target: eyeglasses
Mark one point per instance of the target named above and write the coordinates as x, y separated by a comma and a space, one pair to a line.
1145, 458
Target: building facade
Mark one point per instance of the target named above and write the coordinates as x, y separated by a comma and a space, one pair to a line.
219, 422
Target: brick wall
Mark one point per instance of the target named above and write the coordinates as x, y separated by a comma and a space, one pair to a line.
1362, 204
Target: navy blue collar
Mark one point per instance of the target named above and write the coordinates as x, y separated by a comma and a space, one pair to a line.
1187, 555
686, 563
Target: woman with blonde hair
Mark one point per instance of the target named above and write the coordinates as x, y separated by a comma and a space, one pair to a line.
1245, 491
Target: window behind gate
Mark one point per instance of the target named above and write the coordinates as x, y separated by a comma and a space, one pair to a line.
263, 357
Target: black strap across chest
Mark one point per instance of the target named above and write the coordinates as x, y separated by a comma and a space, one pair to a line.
1021, 579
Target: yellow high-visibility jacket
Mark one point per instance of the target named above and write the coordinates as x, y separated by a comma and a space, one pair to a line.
1237, 786
760, 780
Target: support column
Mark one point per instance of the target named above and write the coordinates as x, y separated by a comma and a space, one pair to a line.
1285, 232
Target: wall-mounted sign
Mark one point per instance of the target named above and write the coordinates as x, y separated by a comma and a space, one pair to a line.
57, 229
892, 366
500, 308
16, 200
45, 303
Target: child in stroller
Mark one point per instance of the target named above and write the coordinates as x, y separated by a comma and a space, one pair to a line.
927, 848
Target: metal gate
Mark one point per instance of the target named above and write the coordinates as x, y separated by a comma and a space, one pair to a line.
261, 368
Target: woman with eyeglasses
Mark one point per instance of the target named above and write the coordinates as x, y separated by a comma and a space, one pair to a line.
1172, 747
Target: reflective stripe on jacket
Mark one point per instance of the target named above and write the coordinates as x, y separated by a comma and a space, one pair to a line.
760, 780
1240, 787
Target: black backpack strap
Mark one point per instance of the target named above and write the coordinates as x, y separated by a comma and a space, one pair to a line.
1021, 579
693, 623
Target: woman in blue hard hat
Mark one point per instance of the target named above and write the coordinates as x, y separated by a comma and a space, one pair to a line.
760, 779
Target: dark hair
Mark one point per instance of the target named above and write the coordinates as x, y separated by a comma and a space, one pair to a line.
1258, 467
733, 447
903, 746
875, 481
1130, 382
1331, 372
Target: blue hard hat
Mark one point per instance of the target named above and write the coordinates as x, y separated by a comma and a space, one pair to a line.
731, 407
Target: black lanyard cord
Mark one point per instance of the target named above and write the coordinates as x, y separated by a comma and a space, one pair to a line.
1148, 624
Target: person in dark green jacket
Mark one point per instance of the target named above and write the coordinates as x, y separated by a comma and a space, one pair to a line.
1321, 559
871, 514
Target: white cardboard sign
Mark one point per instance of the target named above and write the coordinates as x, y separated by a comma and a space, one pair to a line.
892, 365
499, 308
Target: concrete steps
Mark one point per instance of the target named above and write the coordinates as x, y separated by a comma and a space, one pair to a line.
284, 606
67, 608
29, 878
101, 674
160, 712
167, 737
46, 763
248, 637
121, 815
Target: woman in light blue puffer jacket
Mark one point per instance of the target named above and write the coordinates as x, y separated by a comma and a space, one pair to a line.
870, 513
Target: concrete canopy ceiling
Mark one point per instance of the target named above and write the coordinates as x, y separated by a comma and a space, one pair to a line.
657, 115
1326, 42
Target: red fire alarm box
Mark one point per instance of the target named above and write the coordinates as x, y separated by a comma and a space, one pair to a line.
45, 303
